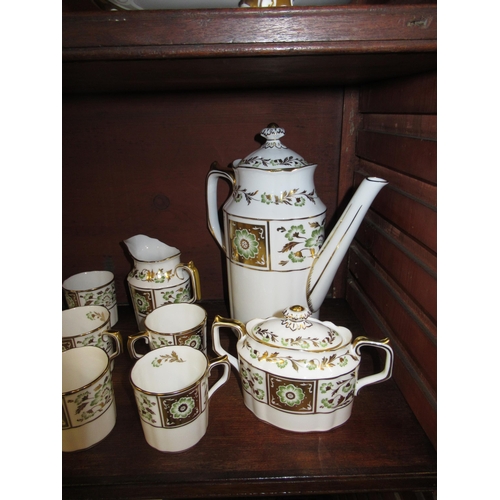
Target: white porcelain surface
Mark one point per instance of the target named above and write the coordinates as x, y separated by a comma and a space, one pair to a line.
88, 405
89, 326
173, 324
301, 376
273, 232
172, 395
158, 276
92, 288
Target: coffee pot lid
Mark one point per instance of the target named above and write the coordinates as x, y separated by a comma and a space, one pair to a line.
273, 154
298, 331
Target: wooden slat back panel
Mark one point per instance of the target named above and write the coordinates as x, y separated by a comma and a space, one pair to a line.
413, 156
392, 279
416, 337
407, 213
416, 280
412, 96
419, 398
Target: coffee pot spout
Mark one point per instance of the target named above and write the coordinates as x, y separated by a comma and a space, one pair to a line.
331, 254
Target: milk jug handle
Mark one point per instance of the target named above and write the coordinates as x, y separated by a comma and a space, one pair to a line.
212, 208
237, 327
386, 372
194, 277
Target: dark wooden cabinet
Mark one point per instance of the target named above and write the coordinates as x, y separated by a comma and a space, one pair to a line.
152, 98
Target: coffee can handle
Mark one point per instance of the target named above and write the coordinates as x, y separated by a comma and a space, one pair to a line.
115, 338
131, 344
220, 361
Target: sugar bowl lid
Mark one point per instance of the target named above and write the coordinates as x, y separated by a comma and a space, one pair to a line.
298, 331
273, 155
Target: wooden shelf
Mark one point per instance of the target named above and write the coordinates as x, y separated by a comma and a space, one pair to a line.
380, 448
245, 48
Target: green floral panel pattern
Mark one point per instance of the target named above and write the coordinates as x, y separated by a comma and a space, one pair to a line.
292, 395
88, 404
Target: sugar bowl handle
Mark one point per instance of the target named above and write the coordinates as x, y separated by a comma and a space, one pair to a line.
386, 372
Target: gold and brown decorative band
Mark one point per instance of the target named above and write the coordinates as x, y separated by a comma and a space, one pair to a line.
298, 396
146, 300
275, 245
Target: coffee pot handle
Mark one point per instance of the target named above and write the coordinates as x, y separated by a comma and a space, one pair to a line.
386, 372
238, 328
194, 275
213, 212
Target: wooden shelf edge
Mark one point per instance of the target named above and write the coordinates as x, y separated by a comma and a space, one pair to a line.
241, 489
239, 31
246, 50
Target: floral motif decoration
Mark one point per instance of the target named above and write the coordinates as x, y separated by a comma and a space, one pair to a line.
296, 396
251, 382
182, 294
182, 408
105, 297
167, 358
302, 242
293, 197
304, 343
93, 315
281, 361
150, 276
146, 408
94, 401
161, 341
338, 392
194, 340
178, 410
290, 395
276, 163
143, 301
248, 243
93, 340
71, 299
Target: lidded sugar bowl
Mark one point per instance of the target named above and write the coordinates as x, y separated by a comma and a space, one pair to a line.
297, 372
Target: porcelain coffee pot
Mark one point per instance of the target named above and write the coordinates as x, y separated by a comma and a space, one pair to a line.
273, 233
298, 373
158, 276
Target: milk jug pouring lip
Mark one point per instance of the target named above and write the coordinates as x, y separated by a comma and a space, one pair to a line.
273, 231
146, 249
